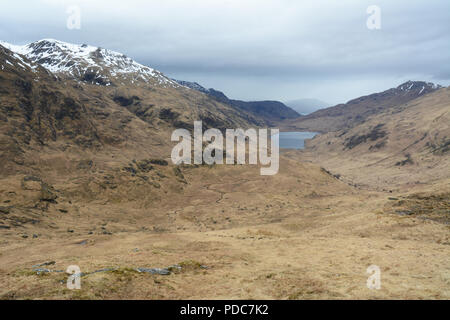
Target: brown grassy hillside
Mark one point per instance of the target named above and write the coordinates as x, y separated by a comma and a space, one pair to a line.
406, 145
358, 110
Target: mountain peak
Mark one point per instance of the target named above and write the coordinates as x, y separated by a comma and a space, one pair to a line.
89, 64
356, 111
421, 86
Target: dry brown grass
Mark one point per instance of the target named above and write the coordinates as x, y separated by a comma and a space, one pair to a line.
237, 234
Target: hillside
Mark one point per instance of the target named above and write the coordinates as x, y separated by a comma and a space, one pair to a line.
406, 145
45, 104
271, 112
65, 139
356, 111
144, 91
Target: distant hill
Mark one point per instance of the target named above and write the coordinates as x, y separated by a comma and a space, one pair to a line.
269, 111
356, 111
306, 106
408, 142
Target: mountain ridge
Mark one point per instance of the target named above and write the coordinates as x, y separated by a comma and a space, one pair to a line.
403, 142
46, 113
270, 111
104, 67
355, 111
88, 63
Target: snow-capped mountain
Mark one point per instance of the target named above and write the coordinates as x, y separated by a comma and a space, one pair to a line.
356, 111
89, 64
418, 87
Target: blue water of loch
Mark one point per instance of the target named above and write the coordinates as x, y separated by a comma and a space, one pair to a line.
295, 140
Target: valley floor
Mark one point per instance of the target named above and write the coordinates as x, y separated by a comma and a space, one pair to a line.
232, 234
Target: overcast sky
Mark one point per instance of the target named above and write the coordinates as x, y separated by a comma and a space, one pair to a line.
257, 49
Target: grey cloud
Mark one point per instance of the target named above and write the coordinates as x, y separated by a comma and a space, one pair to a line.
257, 49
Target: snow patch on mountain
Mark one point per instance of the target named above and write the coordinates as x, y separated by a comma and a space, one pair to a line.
421, 86
88, 63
